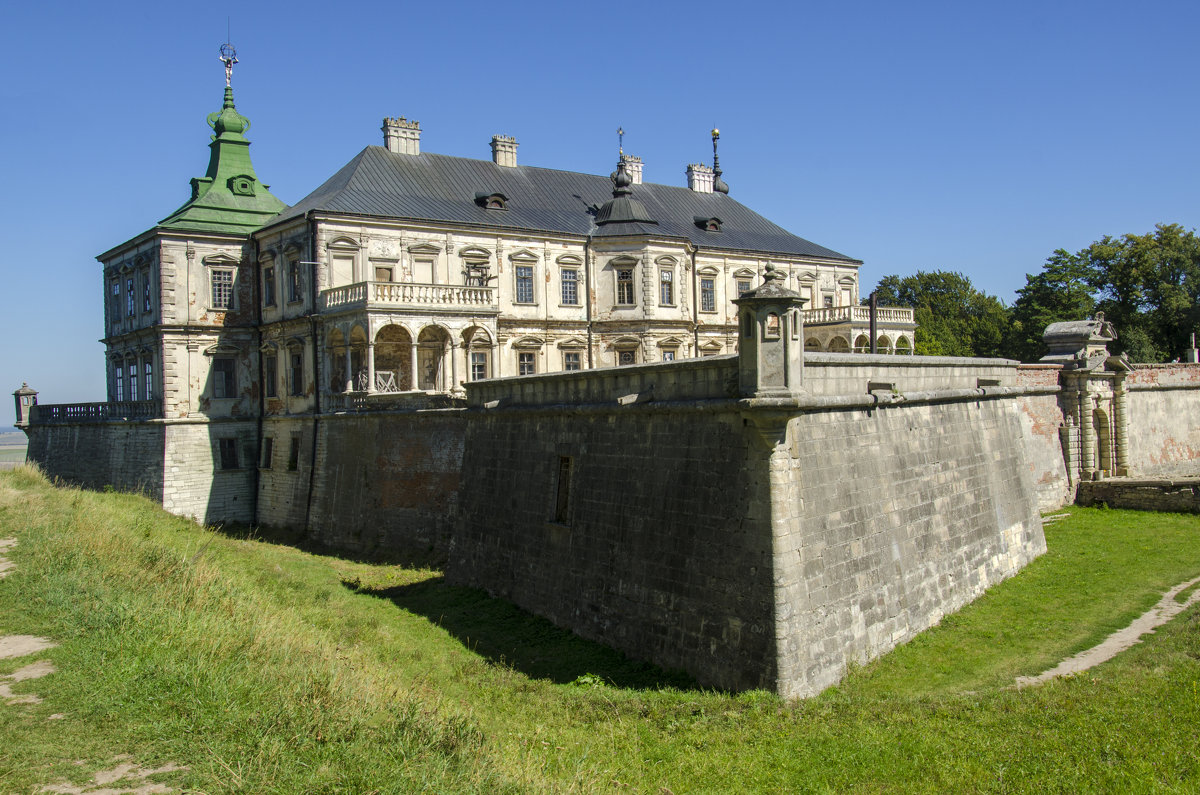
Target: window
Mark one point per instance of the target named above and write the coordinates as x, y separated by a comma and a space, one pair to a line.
268, 452
477, 273
228, 453
625, 357
570, 286
269, 286
294, 281
478, 365
562, 502
668, 356
571, 360
133, 379
119, 378
296, 381
222, 288
116, 301
224, 377
270, 375
524, 284
294, 453
383, 273
708, 296
130, 298
625, 287
666, 284
148, 378
829, 301
526, 363
146, 292
743, 287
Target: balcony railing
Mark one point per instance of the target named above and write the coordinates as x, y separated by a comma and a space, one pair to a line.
858, 315
401, 294
70, 413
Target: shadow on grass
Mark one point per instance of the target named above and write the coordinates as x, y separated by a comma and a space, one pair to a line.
505, 634
409, 559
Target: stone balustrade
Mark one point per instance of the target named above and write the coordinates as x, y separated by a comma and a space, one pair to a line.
857, 314
372, 295
126, 410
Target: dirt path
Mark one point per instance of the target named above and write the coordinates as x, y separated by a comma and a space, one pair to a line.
1166, 609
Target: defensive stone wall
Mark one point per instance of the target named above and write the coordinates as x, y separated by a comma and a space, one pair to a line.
894, 517
127, 456
1164, 402
642, 527
389, 483
1041, 418
196, 481
751, 543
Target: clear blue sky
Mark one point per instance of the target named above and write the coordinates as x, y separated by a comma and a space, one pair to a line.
961, 136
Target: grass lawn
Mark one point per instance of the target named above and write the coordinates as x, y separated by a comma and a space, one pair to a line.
262, 668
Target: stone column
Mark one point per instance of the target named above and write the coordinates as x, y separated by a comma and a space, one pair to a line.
1121, 427
370, 367
1087, 435
413, 376
453, 387
349, 372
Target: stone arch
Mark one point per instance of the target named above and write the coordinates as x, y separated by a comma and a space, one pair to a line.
839, 345
432, 344
393, 358
903, 347
812, 344
862, 344
883, 344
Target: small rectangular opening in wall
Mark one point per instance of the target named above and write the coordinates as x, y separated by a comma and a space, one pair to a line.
881, 386
228, 453
268, 452
562, 502
982, 382
294, 453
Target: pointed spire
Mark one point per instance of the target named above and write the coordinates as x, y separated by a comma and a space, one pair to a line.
719, 184
229, 197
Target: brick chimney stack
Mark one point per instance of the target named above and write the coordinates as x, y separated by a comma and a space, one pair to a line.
402, 136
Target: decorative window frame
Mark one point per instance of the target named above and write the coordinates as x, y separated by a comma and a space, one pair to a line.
426, 251
339, 248
667, 264
624, 263
294, 275
222, 263
525, 259
295, 387
570, 262
225, 352
712, 274
628, 345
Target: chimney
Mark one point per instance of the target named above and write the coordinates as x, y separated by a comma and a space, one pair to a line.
402, 136
633, 167
700, 178
504, 150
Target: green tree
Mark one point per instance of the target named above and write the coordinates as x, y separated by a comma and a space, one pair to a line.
1148, 286
953, 318
1061, 291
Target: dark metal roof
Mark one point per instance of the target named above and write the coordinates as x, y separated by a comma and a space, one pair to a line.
435, 187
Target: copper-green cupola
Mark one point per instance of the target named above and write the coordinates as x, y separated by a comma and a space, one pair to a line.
229, 198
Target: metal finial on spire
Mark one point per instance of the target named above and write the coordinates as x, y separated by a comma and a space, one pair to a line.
228, 57
620, 140
719, 184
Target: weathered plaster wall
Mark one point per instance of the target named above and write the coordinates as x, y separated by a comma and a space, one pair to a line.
1041, 417
125, 455
1164, 417
894, 517
664, 551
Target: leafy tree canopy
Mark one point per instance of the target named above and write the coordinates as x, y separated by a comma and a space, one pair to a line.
953, 318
